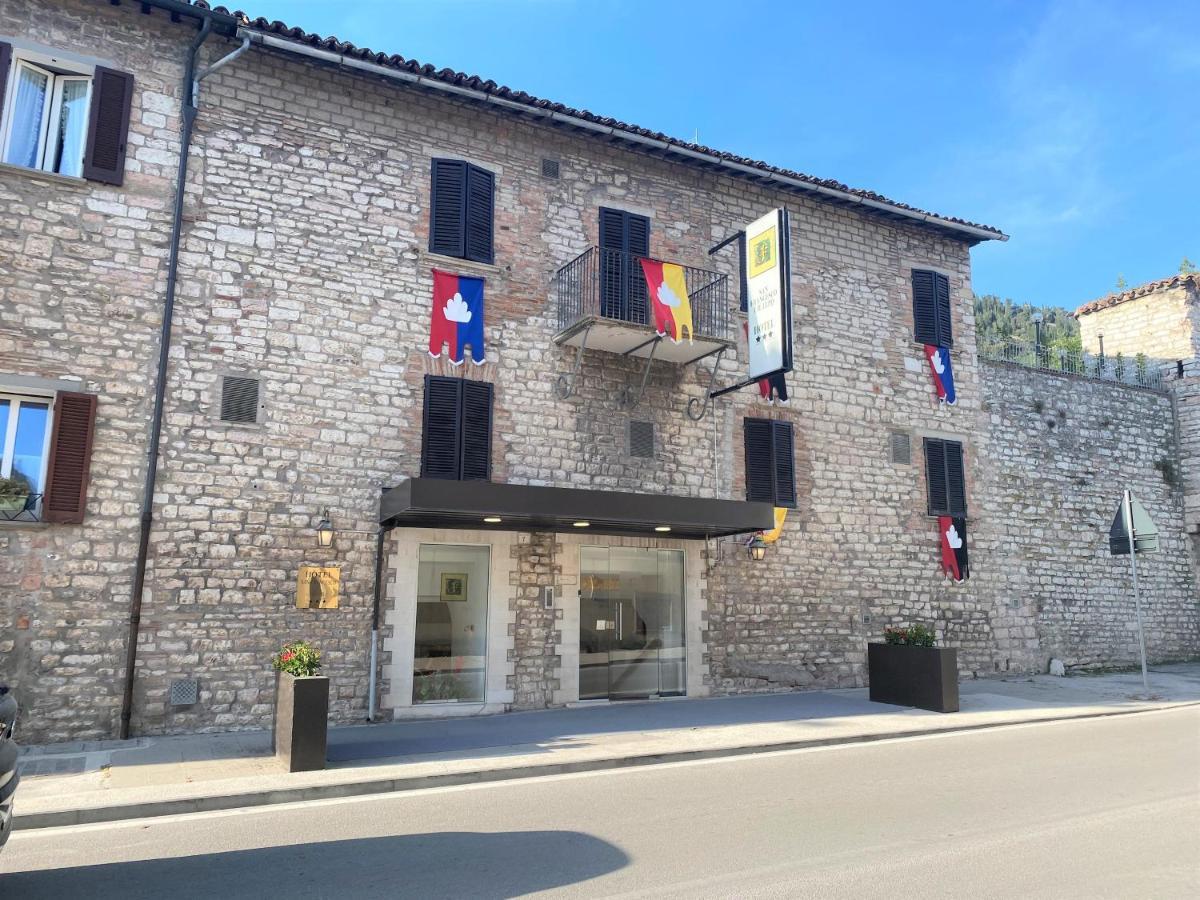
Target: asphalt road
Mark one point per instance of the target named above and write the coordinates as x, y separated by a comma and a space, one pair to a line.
1095, 808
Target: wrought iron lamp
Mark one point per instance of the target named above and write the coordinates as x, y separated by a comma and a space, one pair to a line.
756, 548
325, 531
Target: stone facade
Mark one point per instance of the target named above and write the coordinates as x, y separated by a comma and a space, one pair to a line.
304, 265
1160, 320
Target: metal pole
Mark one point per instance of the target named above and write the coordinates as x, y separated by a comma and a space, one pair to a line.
1137, 603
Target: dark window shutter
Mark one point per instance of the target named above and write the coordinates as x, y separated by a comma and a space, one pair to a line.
935, 477
441, 440
924, 307
477, 431
448, 201
956, 482
784, 451
5, 65
941, 295
481, 188
612, 246
70, 458
760, 468
108, 126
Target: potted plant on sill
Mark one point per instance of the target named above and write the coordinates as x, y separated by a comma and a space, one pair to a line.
301, 724
908, 670
14, 493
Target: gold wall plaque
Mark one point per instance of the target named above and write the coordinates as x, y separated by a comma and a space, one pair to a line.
318, 587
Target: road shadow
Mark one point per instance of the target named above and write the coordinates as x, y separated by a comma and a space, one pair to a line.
449, 864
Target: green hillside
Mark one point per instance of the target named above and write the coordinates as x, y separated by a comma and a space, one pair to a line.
1004, 320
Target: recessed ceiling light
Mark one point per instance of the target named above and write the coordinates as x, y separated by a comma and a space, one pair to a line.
492, 520
581, 524
662, 527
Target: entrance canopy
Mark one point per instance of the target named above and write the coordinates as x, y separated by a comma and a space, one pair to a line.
438, 503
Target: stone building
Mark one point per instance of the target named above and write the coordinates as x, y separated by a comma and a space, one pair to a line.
542, 523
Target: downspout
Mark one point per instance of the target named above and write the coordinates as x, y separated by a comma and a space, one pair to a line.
380, 542
191, 90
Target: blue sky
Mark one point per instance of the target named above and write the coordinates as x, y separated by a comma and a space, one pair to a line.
1074, 126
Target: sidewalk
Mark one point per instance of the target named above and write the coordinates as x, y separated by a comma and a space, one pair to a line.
65, 784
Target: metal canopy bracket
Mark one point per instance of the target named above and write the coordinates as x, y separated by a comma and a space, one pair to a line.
566, 383
628, 399
695, 402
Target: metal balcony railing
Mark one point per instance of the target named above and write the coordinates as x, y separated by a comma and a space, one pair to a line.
1138, 370
609, 284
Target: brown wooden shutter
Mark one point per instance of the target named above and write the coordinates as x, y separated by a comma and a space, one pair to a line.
5, 65
70, 458
108, 126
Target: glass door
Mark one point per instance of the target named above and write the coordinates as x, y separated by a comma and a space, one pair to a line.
630, 623
450, 648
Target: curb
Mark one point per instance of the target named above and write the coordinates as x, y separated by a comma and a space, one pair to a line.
270, 797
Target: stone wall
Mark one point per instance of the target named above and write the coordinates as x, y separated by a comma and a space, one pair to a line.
1062, 450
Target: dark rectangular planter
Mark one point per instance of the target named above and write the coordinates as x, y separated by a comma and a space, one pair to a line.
924, 677
301, 721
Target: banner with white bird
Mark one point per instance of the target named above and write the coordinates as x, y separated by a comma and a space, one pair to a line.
953, 530
943, 374
668, 298
457, 318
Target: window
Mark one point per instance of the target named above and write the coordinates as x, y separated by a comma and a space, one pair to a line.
450, 644
931, 308
25, 439
62, 116
457, 439
624, 237
770, 462
945, 481
461, 210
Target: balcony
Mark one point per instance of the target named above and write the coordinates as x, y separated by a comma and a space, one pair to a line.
603, 305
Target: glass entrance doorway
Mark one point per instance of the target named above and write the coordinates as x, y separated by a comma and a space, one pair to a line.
630, 623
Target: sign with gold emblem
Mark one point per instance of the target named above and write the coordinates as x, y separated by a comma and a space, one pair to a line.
768, 301
318, 586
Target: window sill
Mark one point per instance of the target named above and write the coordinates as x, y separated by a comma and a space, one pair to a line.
22, 523
42, 175
466, 265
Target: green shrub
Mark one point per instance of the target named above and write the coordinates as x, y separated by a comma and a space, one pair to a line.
914, 636
298, 658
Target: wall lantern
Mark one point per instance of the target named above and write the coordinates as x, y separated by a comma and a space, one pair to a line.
325, 531
756, 548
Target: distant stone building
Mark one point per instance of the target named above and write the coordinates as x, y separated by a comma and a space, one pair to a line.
538, 522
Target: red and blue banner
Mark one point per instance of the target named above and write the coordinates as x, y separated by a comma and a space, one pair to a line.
953, 530
943, 374
457, 317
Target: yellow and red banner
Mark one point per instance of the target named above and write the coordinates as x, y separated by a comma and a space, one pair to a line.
668, 299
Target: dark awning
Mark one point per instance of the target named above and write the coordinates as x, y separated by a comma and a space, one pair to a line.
438, 503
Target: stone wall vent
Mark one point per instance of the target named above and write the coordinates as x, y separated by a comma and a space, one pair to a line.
550, 168
239, 399
184, 692
901, 448
641, 440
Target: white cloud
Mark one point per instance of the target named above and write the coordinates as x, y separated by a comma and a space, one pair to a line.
457, 309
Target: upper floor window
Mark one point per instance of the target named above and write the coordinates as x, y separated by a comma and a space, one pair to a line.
945, 480
456, 442
931, 308
62, 116
45, 455
462, 208
770, 462
24, 440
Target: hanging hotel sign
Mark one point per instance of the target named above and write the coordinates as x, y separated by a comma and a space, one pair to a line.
768, 295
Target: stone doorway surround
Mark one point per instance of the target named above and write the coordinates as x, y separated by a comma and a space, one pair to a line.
695, 590
401, 614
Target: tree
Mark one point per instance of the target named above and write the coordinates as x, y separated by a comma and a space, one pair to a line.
1122, 284
1187, 267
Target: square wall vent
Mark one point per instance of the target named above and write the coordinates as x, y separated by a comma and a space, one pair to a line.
550, 168
641, 440
901, 448
185, 692
239, 399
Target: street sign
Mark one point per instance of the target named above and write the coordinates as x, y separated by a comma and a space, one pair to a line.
768, 301
1145, 535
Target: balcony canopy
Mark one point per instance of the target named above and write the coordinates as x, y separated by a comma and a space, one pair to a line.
439, 503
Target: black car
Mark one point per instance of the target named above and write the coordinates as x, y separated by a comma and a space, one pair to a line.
8, 761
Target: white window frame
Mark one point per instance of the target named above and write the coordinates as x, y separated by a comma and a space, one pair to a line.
59, 73
8, 446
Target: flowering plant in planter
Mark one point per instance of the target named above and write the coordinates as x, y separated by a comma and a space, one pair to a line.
915, 636
298, 658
